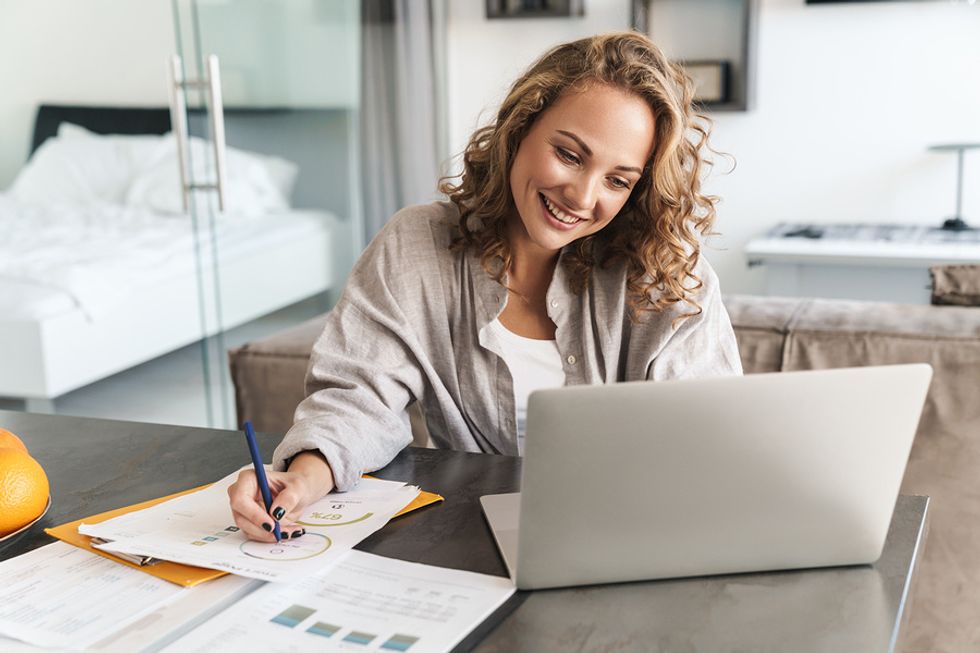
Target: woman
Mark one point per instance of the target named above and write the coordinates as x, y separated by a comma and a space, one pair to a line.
567, 254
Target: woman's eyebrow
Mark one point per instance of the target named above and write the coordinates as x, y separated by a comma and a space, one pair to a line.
588, 151
578, 140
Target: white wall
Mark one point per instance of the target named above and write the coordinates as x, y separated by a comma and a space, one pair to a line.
486, 56
848, 99
849, 96
96, 51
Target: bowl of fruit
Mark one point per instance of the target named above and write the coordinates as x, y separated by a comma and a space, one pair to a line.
24, 490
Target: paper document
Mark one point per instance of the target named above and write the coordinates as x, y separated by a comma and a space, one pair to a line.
61, 596
363, 603
198, 529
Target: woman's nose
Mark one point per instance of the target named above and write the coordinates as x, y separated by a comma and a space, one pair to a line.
583, 193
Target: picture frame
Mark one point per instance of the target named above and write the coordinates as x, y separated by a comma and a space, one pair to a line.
712, 80
535, 8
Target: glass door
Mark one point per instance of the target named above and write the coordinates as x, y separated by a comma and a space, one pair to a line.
265, 104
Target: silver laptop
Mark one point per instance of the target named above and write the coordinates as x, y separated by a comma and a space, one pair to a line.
636, 481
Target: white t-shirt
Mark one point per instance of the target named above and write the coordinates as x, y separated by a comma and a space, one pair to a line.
534, 365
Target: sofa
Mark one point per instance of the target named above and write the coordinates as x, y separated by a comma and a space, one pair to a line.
782, 334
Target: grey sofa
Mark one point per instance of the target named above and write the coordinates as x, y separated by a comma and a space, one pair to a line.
781, 334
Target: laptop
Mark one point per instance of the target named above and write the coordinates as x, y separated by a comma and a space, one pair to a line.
638, 481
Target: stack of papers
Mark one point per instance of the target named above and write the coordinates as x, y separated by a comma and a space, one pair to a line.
198, 529
68, 599
60, 596
324, 595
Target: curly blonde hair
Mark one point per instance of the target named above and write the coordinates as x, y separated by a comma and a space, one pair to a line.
656, 232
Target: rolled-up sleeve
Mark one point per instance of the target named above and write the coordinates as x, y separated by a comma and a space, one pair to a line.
363, 373
702, 345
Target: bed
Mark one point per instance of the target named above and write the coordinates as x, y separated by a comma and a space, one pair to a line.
91, 288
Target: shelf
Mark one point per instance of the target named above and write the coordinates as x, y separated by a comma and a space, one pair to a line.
704, 31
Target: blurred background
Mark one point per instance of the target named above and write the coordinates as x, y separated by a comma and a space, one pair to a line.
179, 178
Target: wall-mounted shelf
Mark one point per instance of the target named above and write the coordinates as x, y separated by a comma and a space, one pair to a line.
705, 31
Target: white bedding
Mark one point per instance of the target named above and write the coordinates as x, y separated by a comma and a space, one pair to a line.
58, 258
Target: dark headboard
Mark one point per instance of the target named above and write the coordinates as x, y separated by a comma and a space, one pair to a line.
317, 140
101, 120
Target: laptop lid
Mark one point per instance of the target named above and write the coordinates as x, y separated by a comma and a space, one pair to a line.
634, 481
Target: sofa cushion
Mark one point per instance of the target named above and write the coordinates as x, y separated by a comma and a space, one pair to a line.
270, 375
957, 285
761, 325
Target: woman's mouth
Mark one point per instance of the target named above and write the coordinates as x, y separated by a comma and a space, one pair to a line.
556, 216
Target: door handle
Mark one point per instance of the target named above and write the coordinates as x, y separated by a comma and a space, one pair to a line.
178, 120
217, 127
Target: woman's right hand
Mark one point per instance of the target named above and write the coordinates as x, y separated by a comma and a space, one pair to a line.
308, 479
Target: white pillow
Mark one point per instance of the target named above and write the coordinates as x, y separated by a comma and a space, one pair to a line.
256, 184
83, 168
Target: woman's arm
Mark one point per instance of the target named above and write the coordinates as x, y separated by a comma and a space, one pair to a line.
366, 367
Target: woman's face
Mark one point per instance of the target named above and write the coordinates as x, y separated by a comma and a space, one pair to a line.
577, 166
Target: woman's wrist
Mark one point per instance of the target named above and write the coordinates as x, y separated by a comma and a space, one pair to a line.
315, 470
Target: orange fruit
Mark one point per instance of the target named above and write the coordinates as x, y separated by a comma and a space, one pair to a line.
8, 439
23, 490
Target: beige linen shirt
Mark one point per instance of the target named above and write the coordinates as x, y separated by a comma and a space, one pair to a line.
412, 326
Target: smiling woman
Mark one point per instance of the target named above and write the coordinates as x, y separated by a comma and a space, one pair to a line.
568, 253
620, 117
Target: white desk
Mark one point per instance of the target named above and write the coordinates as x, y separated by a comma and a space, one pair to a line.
870, 262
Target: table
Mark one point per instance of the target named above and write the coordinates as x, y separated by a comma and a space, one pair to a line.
866, 262
96, 465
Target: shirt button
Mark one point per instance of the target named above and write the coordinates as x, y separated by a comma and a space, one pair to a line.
554, 303
571, 359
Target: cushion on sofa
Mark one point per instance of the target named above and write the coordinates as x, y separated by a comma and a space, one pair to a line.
270, 375
761, 325
957, 285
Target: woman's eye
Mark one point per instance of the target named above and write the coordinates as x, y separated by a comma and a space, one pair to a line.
566, 155
619, 183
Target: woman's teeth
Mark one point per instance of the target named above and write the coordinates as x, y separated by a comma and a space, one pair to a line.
560, 215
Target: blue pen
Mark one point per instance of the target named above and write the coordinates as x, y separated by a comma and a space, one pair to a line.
253, 448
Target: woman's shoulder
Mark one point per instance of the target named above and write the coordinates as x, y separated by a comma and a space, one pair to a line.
412, 243
434, 218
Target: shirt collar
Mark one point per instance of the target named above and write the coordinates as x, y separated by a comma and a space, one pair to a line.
492, 296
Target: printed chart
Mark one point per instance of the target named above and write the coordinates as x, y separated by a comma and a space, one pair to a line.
308, 546
294, 615
363, 603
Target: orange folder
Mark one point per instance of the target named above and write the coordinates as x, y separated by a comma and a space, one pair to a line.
185, 575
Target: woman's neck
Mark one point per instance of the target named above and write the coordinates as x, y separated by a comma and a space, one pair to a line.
530, 271
531, 266
528, 278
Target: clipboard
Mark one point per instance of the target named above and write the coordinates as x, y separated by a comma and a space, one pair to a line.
185, 575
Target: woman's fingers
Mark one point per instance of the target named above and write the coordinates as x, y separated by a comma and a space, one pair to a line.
287, 530
288, 503
250, 530
249, 511
246, 502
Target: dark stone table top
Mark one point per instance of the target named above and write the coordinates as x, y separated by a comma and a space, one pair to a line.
96, 465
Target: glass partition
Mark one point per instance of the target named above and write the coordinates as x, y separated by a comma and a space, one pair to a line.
271, 100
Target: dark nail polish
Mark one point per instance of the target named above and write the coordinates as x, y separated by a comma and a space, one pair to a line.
297, 533
278, 512
267, 527
285, 536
